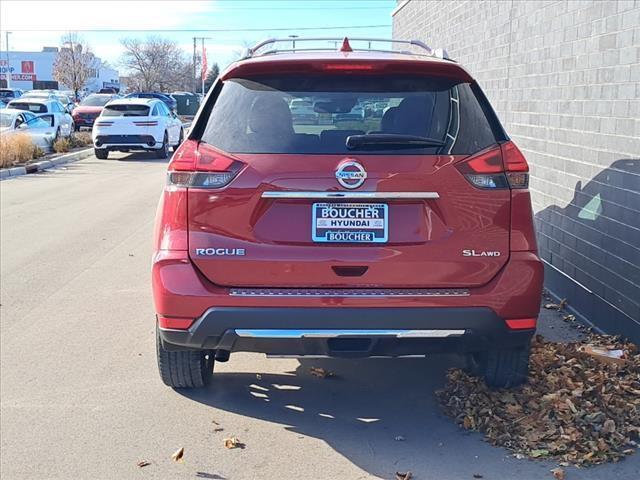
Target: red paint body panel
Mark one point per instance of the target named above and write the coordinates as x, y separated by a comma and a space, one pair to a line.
426, 237
327, 63
181, 291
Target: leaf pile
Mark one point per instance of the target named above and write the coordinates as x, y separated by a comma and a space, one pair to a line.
575, 408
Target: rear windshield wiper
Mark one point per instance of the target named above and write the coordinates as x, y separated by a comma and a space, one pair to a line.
377, 141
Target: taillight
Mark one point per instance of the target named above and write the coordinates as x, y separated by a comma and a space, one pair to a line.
516, 165
497, 167
146, 124
197, 165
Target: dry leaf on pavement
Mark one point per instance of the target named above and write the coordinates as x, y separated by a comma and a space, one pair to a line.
575, 408
558, 473
404, 476
177, 455
143, 463
320, 372
233, 442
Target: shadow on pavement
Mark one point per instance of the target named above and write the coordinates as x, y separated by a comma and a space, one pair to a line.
147, 157
381, 414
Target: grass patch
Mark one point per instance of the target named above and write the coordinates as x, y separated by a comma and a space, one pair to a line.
17, 149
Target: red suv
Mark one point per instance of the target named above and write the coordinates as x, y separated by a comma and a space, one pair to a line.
404, 233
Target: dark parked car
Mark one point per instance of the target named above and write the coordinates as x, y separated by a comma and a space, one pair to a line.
168, 100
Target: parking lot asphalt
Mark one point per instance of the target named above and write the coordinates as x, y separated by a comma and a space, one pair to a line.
80, 395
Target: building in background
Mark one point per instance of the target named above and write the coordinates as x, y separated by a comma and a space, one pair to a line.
564, 78
30, 70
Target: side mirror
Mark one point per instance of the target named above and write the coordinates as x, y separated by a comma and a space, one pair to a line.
23, 126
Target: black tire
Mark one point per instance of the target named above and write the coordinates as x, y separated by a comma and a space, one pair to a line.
164, 150
101, 153
502, 368
184, 368
180, 140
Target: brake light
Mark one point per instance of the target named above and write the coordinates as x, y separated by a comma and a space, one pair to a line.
198, 165
146, 124
348, 66
497, 167
516, 165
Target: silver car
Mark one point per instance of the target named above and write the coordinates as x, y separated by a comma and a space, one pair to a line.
39, 129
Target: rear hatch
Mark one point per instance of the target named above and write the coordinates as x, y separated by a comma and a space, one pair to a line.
125, 123
379, 201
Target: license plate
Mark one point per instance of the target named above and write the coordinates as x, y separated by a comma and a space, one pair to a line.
349, 222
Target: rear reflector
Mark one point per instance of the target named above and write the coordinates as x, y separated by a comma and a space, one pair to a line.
521, 323
175, 323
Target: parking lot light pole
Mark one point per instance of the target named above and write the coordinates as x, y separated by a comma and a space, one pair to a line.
8, 65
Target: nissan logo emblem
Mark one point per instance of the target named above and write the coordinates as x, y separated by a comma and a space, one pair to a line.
351, 174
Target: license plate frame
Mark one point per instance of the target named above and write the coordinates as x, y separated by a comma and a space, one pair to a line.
350, 229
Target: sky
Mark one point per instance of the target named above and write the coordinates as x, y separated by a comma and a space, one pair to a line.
230, 25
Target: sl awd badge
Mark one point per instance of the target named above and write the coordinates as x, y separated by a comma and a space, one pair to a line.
220, 252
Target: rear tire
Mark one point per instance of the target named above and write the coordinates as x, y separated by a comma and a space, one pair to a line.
184, 368
164, 150
101, 153
180, 140
502, 368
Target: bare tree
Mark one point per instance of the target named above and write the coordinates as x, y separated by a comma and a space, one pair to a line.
213, 73
75, 63
156, 63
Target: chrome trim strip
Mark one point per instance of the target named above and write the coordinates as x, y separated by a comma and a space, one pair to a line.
351, 195
349, 293
320, 333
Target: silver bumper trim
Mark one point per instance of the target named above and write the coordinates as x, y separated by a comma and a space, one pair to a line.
351, 195
319, 333
349, 292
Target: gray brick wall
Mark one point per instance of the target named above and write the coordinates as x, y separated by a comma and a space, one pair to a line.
564, 77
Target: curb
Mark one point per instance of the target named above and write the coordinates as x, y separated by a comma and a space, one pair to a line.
45, 164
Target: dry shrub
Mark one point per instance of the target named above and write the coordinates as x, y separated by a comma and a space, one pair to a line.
81, 139
16, 149
62, 145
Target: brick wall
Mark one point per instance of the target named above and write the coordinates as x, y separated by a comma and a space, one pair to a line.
564, 77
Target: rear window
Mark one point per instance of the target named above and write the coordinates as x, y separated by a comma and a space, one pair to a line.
125, 111
317, 114
95, 100
30, 107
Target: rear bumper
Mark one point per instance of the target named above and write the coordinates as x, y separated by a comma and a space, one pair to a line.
223, 319
346, 331
114, 142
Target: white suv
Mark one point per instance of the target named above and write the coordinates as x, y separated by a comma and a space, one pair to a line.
136, 124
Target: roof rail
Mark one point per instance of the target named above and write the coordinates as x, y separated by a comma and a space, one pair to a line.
344, 46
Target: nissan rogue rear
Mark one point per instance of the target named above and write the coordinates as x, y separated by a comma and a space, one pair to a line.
408, 232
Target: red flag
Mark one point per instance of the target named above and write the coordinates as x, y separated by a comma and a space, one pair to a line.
204, 63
